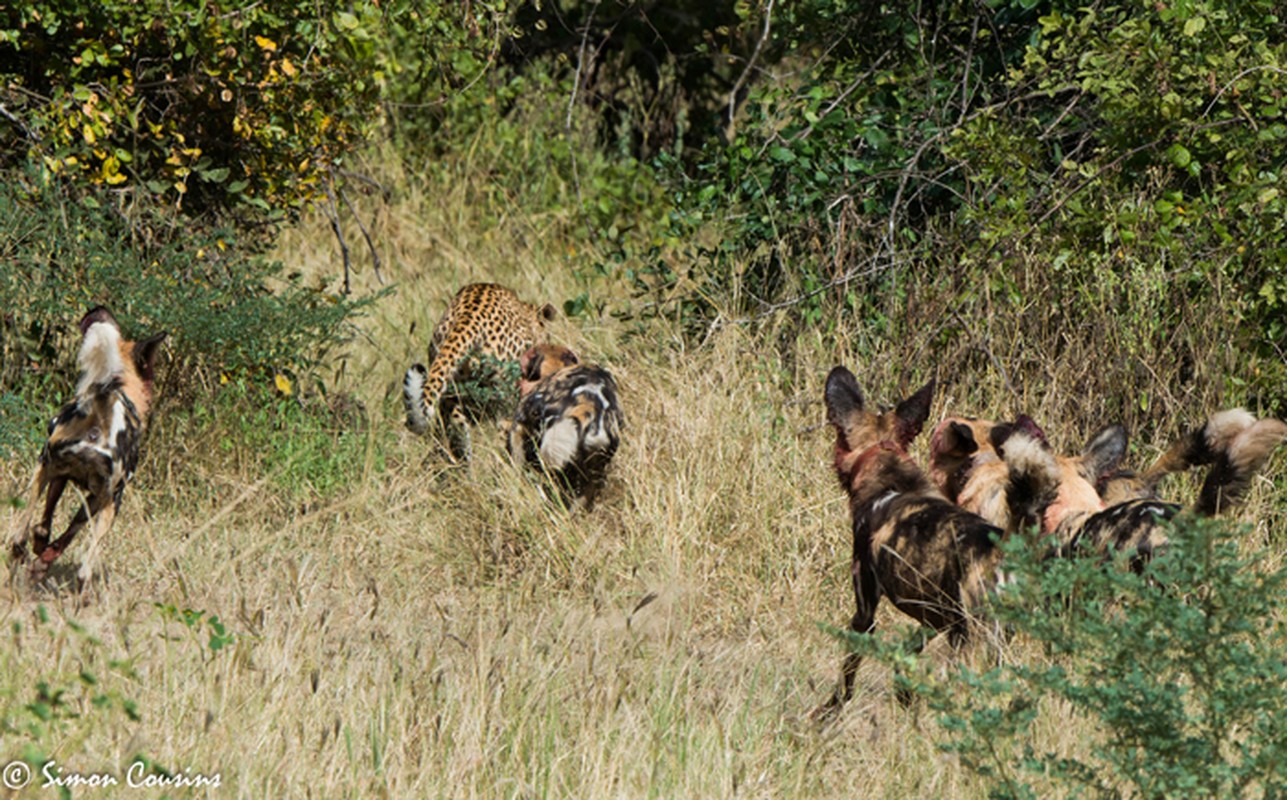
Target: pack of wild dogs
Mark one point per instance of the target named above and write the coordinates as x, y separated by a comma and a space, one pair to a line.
928, 539
924, 538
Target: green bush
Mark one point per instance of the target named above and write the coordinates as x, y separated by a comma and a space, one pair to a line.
1115, 169
206, 108
309, 447
1179, 671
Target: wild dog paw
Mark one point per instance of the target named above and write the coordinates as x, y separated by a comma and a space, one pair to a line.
38, 570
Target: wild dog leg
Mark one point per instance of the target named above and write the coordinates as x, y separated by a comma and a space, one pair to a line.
867, 596
102, 524
40, 534
55, 548
18, 542
47, 551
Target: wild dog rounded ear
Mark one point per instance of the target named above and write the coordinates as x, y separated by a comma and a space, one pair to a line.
529, 365
1105, 450
1000, 434
842, 395
912, 413
958, 440
548, 312
1026, 424
145, 353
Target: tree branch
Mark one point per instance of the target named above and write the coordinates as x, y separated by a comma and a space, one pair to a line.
746, 72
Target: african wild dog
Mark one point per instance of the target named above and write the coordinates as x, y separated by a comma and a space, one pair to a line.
568, 420
93, 443
934, 561
1233, 443
967, 467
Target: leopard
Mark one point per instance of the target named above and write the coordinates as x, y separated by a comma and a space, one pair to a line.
485, 319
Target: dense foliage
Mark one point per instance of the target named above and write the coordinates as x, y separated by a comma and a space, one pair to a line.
1115, 166
188, 102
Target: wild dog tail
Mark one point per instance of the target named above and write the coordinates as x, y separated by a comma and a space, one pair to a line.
419, 412
560, 444
1237, 457
1198, 447
1033, 482
101, 363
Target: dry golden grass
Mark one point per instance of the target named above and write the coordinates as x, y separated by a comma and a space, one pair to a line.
435, 630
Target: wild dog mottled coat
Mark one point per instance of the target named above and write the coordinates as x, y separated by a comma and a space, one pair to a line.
972, 473
568, 421
93, 442
1088, 504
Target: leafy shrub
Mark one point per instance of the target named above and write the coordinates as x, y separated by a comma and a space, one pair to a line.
485, 388
186, 102
1179, 671
1116, 168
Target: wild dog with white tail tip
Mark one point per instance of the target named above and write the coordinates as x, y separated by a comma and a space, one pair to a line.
934, 561
93, 443
568, 421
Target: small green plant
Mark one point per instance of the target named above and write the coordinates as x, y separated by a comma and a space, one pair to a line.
312, 446
485, 388
195, 621
1180, 671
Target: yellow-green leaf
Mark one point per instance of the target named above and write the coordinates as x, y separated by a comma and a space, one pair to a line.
283, 383
111, 171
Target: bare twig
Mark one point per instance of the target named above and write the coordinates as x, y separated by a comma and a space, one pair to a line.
840, 98
333, 215
576, 86
375, 255
386, 193
746, 71
982, 344
965, 79
1106, 168
1237, 78
1059, 119
9, 115
580, 64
